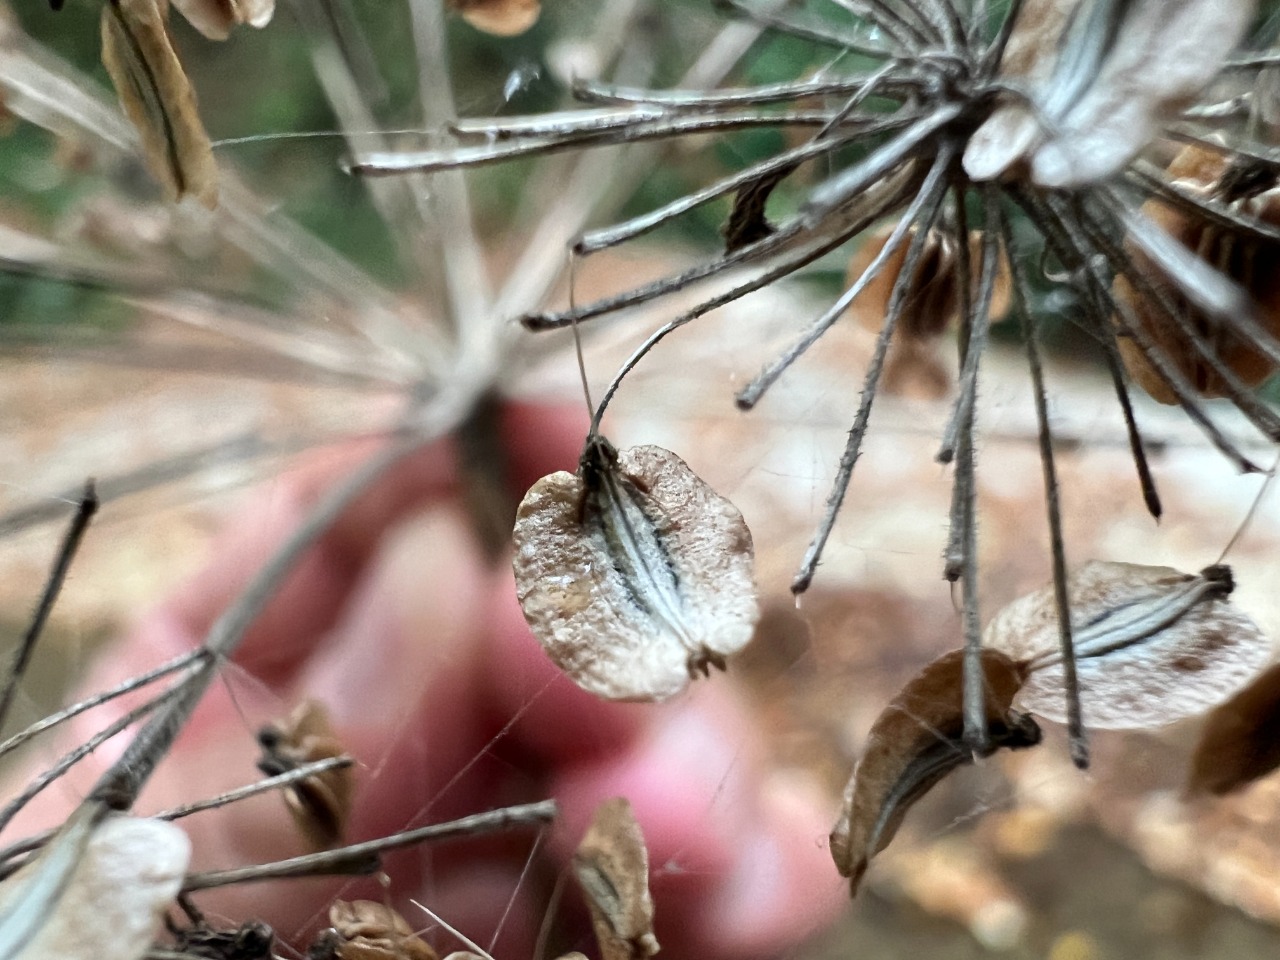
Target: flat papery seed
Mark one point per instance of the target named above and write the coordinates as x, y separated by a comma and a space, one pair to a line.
633, 573
368, 930
612, 867
1252, 262
157, 97
1240, 742
1153, 645
112, 904
502, 18
321, 804
913, 744
215, 18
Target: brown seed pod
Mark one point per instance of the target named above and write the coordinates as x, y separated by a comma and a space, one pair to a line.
157, 97
633, 574
612, 866
320, 804
1240, 742
1252, 262
914, 743
368, 930
1153, 644
502, 18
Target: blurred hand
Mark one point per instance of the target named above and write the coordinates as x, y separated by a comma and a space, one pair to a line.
418, 649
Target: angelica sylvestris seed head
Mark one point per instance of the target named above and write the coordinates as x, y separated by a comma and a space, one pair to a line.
914, 743
1152, 644
320, 804
633, 573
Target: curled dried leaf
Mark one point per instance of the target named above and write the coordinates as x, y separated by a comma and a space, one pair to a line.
215, 18
1153, 644
1253, 262
633, 574
914, 743
368, 930
1104, 75
1240, 742
612, 866
157, 97
110, 906
503, 18
320, 804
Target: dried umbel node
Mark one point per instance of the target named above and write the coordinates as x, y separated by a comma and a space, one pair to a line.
320, 804
216, 18
503, 18
1251, 260
1152, 645
612, 867
158, 99
368, 930
914, 743
634, 575
250, 941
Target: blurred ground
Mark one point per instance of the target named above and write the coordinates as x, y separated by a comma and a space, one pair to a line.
1029, 857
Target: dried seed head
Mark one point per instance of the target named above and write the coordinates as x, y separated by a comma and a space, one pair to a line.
1103, 76
633, 573
1153, 645
914, 743
1253, 262
320, 804
215, 18
111, 905
503, 18
368, 930
612, 866
157, 97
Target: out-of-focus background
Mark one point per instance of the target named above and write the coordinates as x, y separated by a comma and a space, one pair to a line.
1023, 857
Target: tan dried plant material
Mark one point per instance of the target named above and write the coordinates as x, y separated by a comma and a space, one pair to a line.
216, 18
1240, 742
1252, 262
612, 867
368, 930
502, 18
633, 573
913, 744
1153, 645
158, 99
1104, 75
320, 804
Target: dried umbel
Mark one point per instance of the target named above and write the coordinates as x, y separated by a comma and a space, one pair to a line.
914, 743
216, 18
1253, 261
1152, 645
612, 867
320, 804
503, 18
633, 574
368, 930
157, 97
97, 892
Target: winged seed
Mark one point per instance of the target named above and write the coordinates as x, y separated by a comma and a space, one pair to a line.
634, 574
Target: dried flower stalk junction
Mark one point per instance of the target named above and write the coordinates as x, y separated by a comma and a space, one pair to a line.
958, 121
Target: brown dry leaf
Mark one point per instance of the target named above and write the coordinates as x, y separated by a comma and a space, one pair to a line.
503, 18
1110, 85
633, 574
913, 744
215, 18
1252, 262
157, 97
612, 866
1240, 741
1153, 645
368, 930
320, 804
